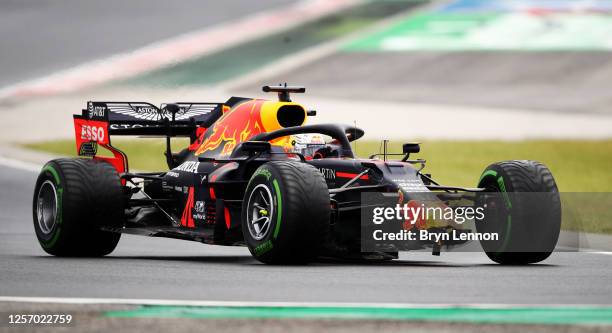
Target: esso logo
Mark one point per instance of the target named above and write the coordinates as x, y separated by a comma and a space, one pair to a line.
92, 133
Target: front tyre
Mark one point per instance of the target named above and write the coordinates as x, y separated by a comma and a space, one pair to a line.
73, 198
524, 210
285, 213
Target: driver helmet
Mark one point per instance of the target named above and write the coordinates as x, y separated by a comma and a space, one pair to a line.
307, 144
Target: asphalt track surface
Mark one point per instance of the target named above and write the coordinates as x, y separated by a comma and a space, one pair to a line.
40, 37
566, 82
153, 268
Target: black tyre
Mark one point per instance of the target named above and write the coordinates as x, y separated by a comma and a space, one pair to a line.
73, 198
285, 213
526, 214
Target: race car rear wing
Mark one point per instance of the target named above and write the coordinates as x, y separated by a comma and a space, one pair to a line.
100, 120
141, 118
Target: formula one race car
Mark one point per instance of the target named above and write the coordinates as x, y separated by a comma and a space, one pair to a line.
256, 175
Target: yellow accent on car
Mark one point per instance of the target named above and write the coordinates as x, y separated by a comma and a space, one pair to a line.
270, 114
270, 119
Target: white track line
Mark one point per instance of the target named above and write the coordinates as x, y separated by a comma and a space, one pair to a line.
69, 300
21, 165
600, 252
178, 49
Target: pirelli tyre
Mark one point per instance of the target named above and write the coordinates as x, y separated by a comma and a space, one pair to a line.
523, 208
285, 213
72, 199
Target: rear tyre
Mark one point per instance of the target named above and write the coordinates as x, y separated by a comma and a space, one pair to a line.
528, 224
285, 213
73, 198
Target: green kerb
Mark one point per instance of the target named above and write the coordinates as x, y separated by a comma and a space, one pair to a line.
511, 315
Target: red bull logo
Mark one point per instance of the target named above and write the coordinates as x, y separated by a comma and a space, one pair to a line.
243, 122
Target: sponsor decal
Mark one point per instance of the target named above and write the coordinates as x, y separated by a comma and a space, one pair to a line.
188, 167
410, 185
203, 179
235, 126
328, 173
199, 210
96, 111
92, 133
129, 126
165, 186
199, 206
264, 172
88, 149
147, 110
142, 111
91, 130
263, 247
172, 174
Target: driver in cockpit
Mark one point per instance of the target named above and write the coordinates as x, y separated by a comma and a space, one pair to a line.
313, 146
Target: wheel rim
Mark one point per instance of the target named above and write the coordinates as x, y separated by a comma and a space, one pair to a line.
260, 210
46, 207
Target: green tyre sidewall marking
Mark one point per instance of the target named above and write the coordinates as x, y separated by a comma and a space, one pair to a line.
60, 194
502, 187
268, 176
486, 174
279, 206
263, 247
